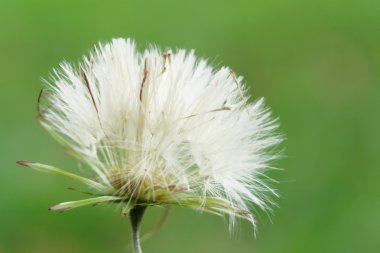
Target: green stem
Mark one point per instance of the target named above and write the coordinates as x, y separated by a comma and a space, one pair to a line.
135, 217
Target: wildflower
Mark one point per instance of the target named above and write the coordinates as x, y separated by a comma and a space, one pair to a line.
159, 129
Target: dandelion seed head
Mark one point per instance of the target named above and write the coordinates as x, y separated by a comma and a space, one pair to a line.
164, 128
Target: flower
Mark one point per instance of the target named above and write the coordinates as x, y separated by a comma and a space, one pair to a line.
160, 128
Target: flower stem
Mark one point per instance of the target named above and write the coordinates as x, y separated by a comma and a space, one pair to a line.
135, 217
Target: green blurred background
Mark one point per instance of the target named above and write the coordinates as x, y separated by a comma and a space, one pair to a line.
316, 62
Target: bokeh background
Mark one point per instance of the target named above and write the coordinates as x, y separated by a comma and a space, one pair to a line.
316, 62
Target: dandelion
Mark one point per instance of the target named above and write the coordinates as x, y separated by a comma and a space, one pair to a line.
159, 129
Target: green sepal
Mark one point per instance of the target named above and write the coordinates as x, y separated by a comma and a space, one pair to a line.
53, 170
65, 206
127, 208
209, 204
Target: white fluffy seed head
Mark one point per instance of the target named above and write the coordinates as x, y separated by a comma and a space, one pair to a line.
163, 121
